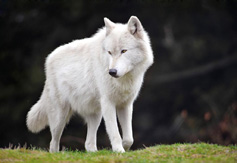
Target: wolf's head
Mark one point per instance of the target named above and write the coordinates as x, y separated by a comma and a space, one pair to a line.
127, 46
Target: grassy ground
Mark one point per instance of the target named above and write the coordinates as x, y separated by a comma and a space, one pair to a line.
200, 152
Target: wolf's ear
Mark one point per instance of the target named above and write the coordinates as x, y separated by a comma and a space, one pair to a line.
135, 26
109, 25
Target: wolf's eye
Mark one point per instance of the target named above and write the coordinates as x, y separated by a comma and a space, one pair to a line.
109, 52
123, 51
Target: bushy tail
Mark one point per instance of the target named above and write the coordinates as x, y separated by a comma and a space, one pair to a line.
37, 118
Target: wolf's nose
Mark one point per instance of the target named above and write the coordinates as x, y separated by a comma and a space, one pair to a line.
113, 72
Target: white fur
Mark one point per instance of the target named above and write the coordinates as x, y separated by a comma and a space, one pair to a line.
78, 80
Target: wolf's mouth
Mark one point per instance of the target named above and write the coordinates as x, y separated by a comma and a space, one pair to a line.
115, 76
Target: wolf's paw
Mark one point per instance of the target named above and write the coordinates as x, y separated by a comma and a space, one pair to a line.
51, 150
90, 147
119, 149
127, 144
91, 150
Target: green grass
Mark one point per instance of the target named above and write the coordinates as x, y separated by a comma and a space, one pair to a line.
200, 152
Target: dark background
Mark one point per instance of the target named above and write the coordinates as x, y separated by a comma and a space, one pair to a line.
189, 94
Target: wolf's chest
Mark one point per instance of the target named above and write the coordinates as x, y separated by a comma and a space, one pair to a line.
123, 91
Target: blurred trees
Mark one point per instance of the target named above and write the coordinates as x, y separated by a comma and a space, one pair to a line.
189, 94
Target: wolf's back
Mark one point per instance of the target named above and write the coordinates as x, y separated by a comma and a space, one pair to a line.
37, 118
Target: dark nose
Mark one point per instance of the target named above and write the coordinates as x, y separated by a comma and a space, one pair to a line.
113, 72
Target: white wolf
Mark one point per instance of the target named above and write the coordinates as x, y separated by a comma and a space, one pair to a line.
96, 77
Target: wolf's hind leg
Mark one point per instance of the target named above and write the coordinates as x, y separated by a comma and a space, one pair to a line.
93, 122
57, 121
125, 119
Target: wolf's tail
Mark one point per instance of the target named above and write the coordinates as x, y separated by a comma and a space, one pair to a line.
37, 117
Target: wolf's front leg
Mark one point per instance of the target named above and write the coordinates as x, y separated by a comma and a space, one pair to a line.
109, 115
93, 122
125, 119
